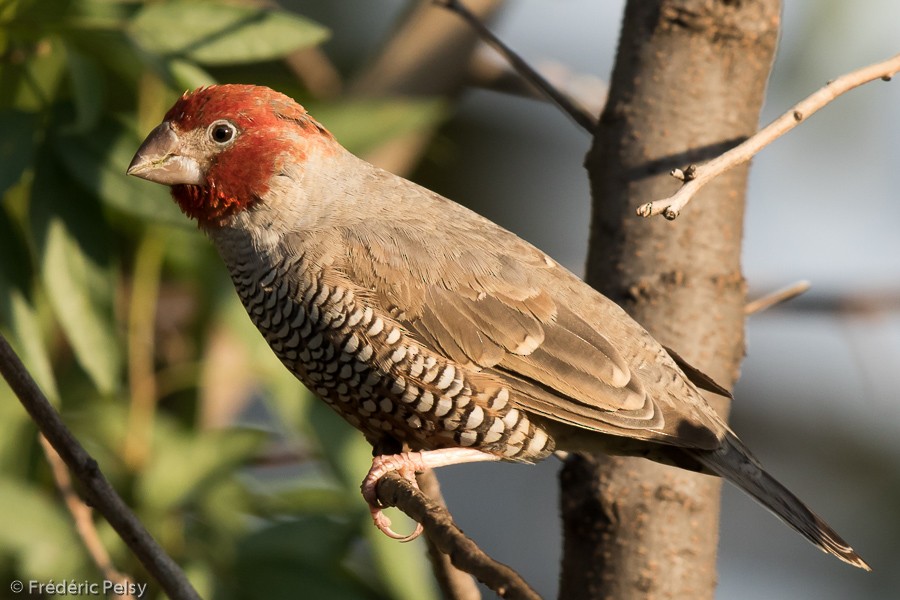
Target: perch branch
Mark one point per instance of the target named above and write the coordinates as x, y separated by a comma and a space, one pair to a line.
585, 120
454, 583
393, 490
101, 494
695, 177
776, 297
82, 515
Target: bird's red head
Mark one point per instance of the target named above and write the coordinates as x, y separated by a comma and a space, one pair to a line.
219, 146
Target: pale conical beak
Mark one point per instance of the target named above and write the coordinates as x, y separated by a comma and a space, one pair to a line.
158, 160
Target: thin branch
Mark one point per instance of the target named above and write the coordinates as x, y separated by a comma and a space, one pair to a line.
84, 522
394, 490
695, 177
454, 583
488, 70
776, 297
585, 120
857, 303
84, 468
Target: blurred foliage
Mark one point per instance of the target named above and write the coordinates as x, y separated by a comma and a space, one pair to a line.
126, 318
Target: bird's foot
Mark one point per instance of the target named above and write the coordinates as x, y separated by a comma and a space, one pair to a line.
406, 465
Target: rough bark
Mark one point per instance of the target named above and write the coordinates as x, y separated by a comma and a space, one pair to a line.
688, 84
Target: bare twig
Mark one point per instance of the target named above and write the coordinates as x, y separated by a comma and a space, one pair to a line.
695, 177
454, 583
586, 121
488, 70
101, 494
776, 297
394, 490
857, 303
84, 522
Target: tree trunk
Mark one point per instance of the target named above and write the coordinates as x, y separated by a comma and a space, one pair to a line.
688, 84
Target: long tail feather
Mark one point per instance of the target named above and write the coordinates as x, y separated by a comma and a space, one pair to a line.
734, 463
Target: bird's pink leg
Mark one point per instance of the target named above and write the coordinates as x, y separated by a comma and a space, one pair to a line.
407, 464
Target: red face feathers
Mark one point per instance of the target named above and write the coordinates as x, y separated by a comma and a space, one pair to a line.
219, 146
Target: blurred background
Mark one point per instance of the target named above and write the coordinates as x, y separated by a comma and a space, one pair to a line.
252, 485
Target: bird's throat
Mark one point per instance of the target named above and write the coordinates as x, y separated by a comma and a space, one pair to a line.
208, 204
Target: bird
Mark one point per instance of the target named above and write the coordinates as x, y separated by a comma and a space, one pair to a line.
438, 334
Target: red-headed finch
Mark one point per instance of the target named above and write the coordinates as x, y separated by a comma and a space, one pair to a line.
429, 328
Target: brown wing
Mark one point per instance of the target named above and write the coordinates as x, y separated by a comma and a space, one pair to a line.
501, 312
698, 377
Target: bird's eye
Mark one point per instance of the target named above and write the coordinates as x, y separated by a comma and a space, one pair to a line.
222, 132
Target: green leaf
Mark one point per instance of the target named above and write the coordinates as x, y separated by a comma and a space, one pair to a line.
24, 14
17, 316
223, 508
15, 264
347, 452
88, 87
18, 136
362, 125
315, 541
95, 14
73, 254
8, 10
302, 498
185, 463
38, 532
98, 161
187, 75
295, 559
16, 435
116, 53
29, 344
33, 84
219, 34
403, 569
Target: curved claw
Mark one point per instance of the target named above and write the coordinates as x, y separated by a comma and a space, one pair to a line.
407, 464
383, 523
404, 464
